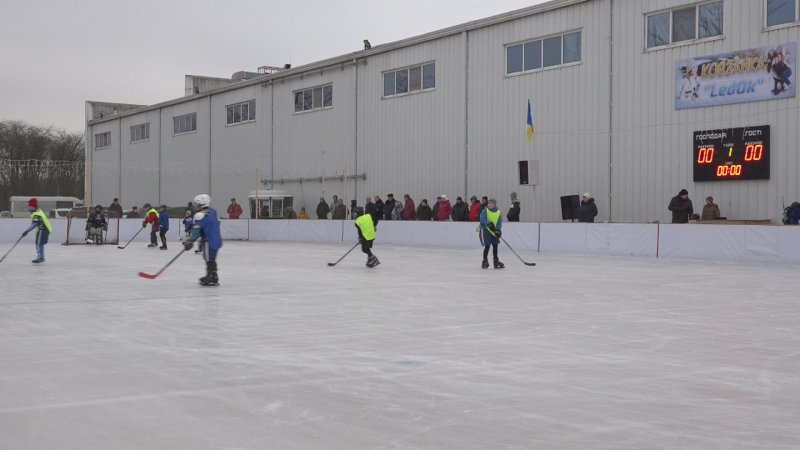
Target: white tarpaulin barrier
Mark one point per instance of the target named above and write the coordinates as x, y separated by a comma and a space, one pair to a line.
754, 243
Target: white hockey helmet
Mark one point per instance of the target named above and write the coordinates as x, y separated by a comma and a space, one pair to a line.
202, 201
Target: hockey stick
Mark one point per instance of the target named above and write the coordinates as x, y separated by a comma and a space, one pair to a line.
12, 248
515, 254
134, 237
340, 259
155, 275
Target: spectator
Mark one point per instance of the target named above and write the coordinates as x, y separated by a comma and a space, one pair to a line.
340, 211
134, 213
514, 210
397, 213
484, 202
681, 207
388, 207
378, 214
474, 209
460, 211
323, 209
435, 210
234, 209
288, 213
369, 207
710, 210
334, 204
791, 214
303, 214
353, 206
587, 210
115, 209
409, 209
445, 208
424, 211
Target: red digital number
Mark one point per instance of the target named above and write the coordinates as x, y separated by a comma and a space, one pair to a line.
753, 152
733, 170
705, 155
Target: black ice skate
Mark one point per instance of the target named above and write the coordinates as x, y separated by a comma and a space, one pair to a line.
485, 264
498, 264
163, 247
211, 275
38, 260
372, 261
152, 245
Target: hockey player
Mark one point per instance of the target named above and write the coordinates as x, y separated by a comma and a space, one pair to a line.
163, 226
43, 229
366, 235
206, 228
96, 224
491, 223
151, 217
188, 221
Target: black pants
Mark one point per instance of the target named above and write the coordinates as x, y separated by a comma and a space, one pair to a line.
486, 250
153, 239
163, 233
366, 247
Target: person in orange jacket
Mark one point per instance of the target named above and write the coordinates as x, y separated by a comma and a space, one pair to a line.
234, 209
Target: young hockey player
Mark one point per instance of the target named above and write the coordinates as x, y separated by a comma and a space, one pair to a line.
188, 221
43, 229
96, 224
151, 217
491, 223
366, 235
163, 226
206, 228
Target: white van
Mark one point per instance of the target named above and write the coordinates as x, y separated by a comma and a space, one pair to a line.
18, 205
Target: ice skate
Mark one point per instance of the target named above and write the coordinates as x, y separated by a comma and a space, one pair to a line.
152, 245
211, 275
163, 247
372, 261
38, 260
498, 264
485, 264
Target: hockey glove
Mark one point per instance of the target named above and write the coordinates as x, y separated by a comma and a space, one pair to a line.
491, 227
497, 233
144, 224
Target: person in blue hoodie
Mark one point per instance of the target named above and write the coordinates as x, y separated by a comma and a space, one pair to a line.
491, 224
188, 221
163, 226
206, 229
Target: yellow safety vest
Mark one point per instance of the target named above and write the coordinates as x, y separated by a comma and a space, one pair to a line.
43, 219
364, 223
492, 217
152, 210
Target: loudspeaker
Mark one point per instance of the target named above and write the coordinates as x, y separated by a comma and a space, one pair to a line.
569, 207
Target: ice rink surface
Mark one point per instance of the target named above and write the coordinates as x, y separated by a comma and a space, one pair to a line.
426, 351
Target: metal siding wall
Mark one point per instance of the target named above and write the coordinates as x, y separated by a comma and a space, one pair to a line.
139, 165
653, 141
570, 114
414, 144
105, 162
184, 158
240, 153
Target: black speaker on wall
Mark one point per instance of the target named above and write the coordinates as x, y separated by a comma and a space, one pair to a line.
569, 207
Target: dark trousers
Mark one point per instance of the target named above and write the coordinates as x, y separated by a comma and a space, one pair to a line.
366, 247
163, 233
153, 239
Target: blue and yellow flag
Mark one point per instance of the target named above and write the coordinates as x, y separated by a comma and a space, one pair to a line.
530, 121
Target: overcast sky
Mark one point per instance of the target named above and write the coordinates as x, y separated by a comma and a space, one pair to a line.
57, 54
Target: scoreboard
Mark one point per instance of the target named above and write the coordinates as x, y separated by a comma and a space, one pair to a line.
731, 154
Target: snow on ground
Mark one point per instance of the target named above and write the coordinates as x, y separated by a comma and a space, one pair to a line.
426, 351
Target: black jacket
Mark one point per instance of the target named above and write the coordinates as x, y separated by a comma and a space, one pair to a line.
587, 211
388, 207
460, 212
681, 209
424, 212
322, 210
513, 212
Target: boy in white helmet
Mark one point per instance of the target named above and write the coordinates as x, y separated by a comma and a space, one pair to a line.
206, 228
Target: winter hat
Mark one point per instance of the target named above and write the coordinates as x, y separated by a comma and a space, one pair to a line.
683, 192
444, 197
491, 200
710, 198
473, 198
33, 203
147, 206
587, 195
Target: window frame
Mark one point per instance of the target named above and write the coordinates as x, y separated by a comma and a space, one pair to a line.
321, 89
541, 67
179, 132
107, 138
408, 80
670, 31
794, 23
144, 126
230, 113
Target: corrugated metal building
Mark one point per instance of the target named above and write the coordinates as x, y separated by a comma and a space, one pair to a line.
446, 113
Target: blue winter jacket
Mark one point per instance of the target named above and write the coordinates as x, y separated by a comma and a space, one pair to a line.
207, 227
163, 220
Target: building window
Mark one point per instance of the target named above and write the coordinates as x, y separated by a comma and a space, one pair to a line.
409, 80
241, 112
548, 52
700, 21
318, 97
140, 132
102, 140
185, 124
781, 11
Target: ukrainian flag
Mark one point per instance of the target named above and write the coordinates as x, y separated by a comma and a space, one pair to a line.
530, 121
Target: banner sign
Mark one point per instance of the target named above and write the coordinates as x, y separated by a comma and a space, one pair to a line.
765, 73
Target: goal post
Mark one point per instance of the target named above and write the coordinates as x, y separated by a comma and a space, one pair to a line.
77, 233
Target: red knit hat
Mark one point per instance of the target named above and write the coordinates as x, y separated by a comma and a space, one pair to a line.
33, 203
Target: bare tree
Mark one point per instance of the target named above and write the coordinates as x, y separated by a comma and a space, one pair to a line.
39, 161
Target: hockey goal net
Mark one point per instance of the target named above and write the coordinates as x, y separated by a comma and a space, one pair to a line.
78, 234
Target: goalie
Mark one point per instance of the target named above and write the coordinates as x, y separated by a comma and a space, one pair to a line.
96, 225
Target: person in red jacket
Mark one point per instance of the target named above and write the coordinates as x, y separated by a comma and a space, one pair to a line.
234, 209
151, 217
445, 208
474, 209
409, 210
